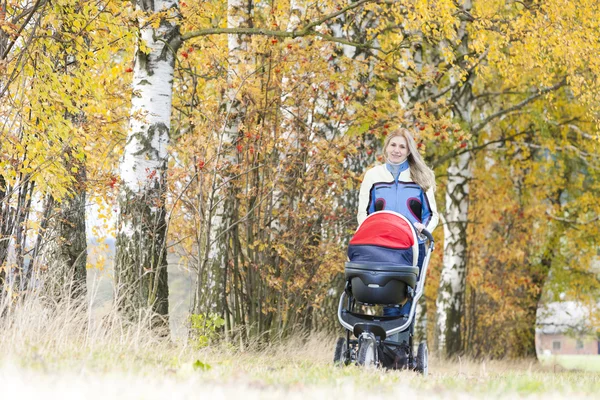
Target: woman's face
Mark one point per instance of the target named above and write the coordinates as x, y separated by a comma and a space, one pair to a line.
397, 150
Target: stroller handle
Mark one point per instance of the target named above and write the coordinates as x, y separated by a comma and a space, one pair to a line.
428, 235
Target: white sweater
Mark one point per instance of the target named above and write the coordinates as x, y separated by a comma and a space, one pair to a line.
401, 195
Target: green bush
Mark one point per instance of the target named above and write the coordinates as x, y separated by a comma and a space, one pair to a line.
205, 328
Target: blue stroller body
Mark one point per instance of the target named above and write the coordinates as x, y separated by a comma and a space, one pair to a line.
382, 270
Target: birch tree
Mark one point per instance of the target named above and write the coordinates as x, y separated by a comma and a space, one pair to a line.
450, 303
18, 32
62, 242
141, 259
487, 54
223, 210
52, 80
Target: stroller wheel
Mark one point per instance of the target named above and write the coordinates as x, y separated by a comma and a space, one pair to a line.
367, 352
341, 356
422, 358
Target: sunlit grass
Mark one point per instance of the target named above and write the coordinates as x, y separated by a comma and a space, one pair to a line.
573, 362
62, 348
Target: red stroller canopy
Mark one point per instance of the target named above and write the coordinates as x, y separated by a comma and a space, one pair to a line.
385, 237
385, 229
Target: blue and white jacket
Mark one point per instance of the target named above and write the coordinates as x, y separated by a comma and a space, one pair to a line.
381, 190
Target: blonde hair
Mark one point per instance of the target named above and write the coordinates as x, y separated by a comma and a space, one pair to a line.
420, 173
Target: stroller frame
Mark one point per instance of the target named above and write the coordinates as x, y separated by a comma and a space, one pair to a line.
372, 331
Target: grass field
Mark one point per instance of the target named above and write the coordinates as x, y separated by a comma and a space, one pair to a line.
573, 362
274, 373
67, 355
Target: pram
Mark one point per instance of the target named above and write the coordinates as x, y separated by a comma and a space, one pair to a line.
382, 270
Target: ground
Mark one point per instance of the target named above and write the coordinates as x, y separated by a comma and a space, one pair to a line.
573, 362
67, 351
298, 369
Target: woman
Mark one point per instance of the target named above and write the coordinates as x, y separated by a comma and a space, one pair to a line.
403, 184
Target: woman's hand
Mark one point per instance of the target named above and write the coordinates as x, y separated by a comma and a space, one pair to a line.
419, 226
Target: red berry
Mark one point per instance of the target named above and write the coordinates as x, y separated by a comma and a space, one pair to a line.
239, 148
129, 69
184, 54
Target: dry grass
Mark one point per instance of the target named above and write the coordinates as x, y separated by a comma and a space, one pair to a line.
62, 349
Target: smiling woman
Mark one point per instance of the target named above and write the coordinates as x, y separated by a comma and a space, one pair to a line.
397, 150
403, 184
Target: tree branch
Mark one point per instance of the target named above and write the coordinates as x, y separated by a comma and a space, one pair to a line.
347, 42
582, 133
36, 6
570, 221
518, 106
336, 14
458, 152
452, 86
307, 30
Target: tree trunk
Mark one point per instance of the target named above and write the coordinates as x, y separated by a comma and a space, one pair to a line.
6, 225
451, 294
141, 257
450, 301
24, 198
223, 209
66, 253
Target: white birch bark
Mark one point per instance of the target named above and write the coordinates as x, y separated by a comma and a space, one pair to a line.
211, 296
238, 16
450, 301
141, 263
451, 293
292, 117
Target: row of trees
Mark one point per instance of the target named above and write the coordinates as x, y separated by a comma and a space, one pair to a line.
243, 129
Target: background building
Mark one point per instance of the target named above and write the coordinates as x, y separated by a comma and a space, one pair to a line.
566, 328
